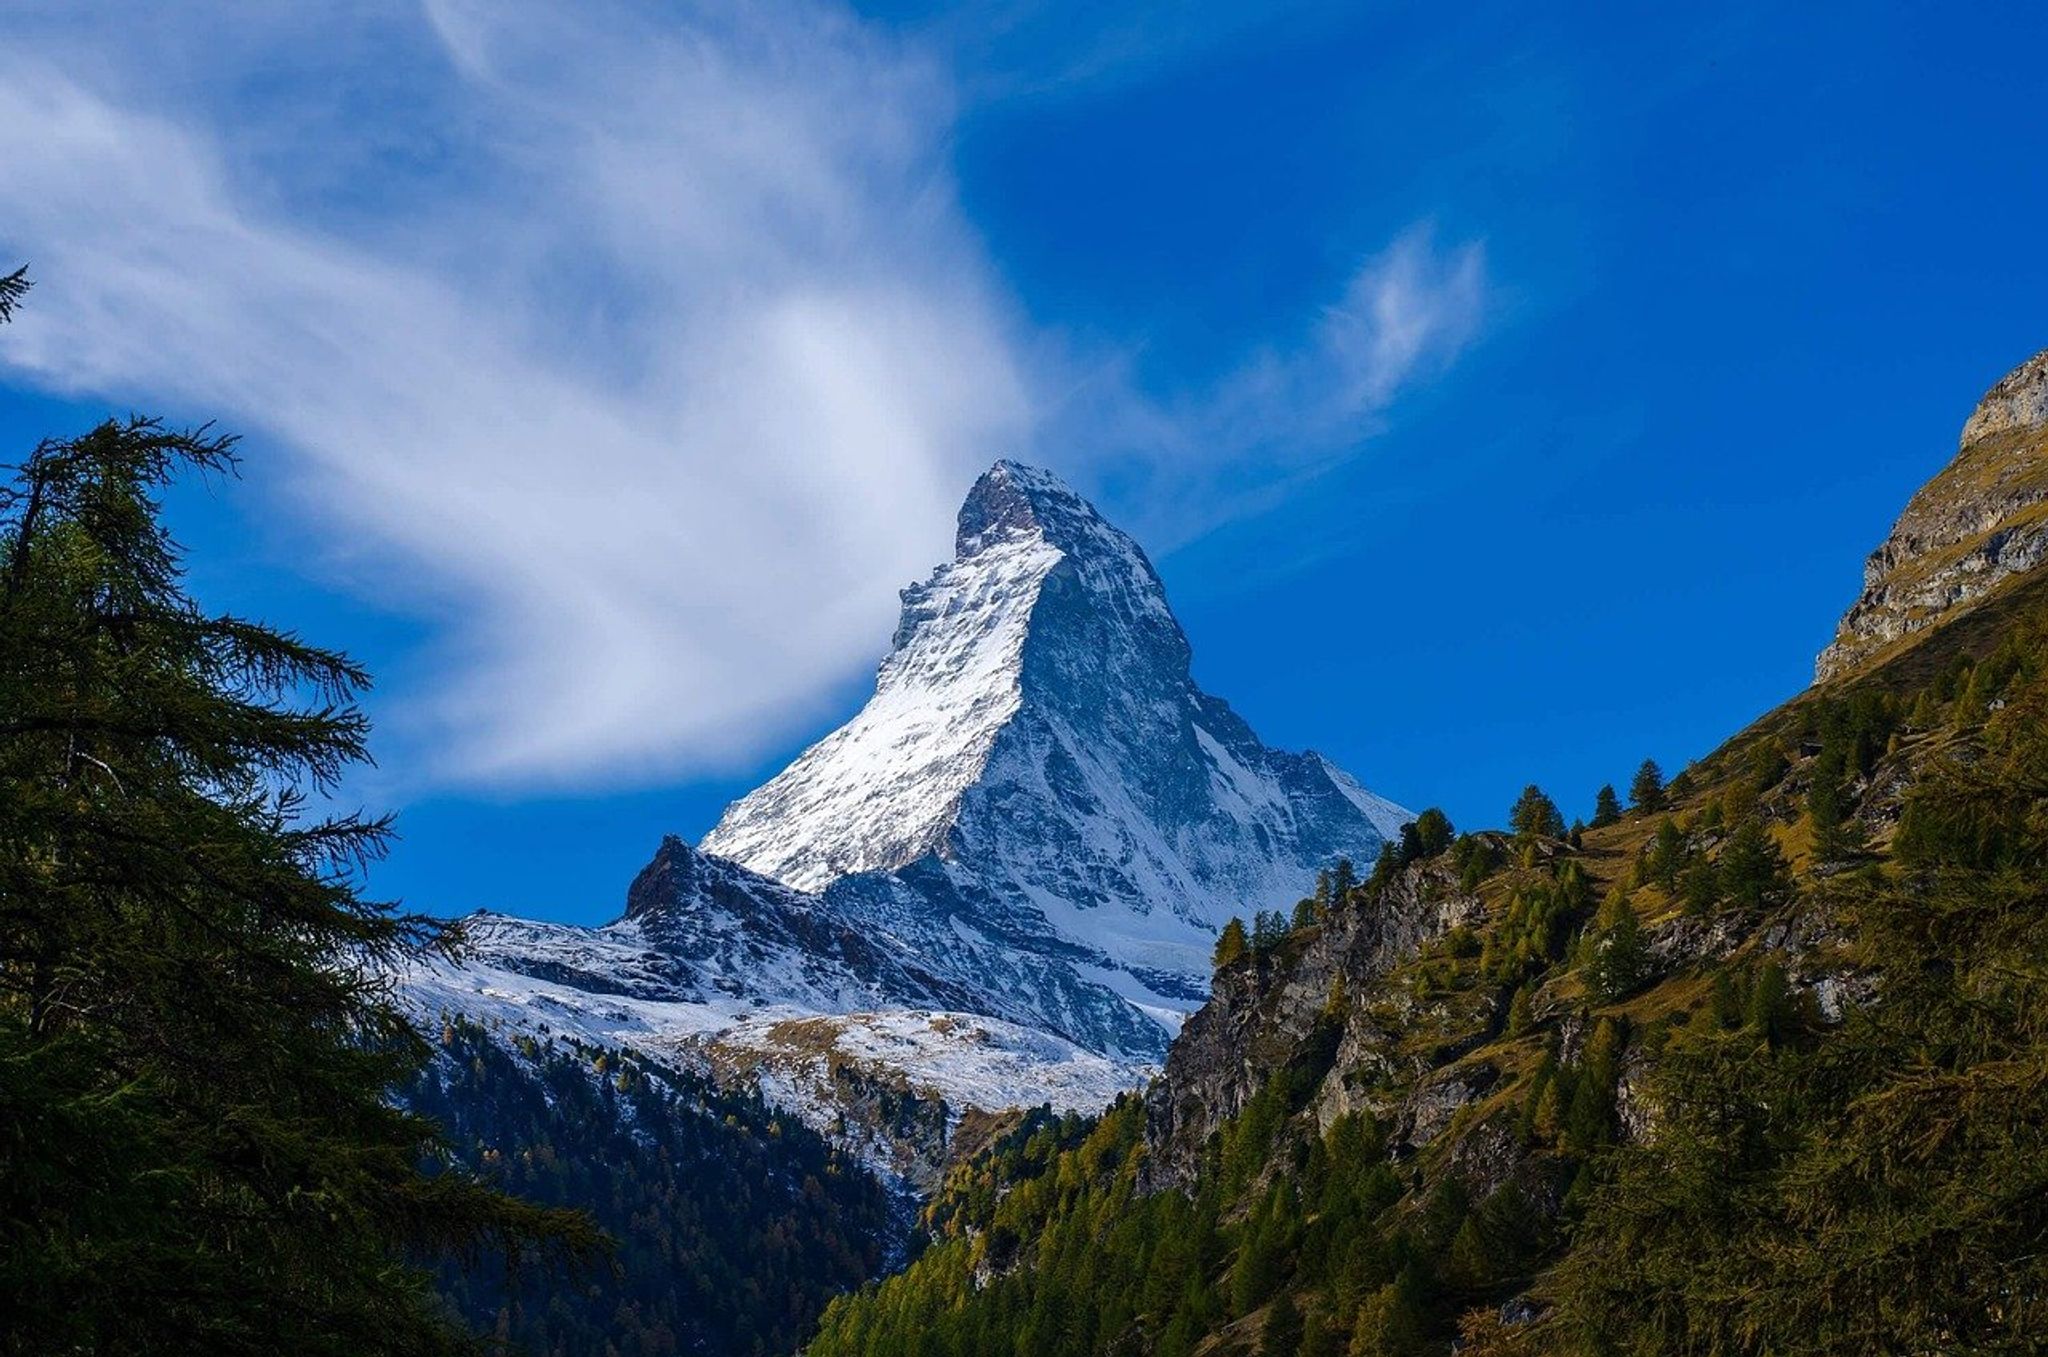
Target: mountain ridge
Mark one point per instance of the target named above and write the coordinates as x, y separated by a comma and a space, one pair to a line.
998, 884
1745, 1068
1978, 523
1038, 752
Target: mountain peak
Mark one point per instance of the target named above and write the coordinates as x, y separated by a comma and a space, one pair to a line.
2019, 400
1011, 497
1038, 777
1981, 521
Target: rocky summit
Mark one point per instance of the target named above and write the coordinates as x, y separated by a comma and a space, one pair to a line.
999, 883
1037, 774
1979, 523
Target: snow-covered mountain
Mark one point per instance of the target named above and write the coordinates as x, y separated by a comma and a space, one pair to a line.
1000, 882
1038, 771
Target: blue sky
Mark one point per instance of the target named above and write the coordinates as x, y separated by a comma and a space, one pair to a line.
1506, 392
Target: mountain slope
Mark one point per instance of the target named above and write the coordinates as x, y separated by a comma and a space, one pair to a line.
1039, 769
1981, 522
998, 885
1762, 1070
734, 1224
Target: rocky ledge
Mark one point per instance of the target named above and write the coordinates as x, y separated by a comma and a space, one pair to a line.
1981, 521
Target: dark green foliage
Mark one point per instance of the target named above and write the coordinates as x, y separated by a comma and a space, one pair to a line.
1391, 1323
1096, 1266
1852, 735
1667, 855
1500, 1242
1589, 1116
1426, 836
1092, 1261
1281, 1334
1767, 766
1269, 930
1646, 789
1475, 857
1882, 1187
1878, 1185
1701, 887
1619, 960
1535, 815
1318, 1338
197, 1033
1752, 869
735, 1223
1606, 807
1537, 926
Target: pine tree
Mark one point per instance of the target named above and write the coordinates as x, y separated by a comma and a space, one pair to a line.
1752, 867
1667, 855
1231, 944
1535, 815
1769, 1011
1429, 834
1702, 887
1389, 1324
1879, 1186
1606, 807
1620, 954
1521, 1011
196, 1009
1282, 1333
1646, 791
1318, 1338
1589, 1122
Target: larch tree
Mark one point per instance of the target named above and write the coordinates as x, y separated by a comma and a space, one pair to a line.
198, 1031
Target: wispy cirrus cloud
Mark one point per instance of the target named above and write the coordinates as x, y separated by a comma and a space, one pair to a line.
642, 352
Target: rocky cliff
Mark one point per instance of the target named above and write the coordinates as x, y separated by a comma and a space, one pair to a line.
1296, 1007
1976, 525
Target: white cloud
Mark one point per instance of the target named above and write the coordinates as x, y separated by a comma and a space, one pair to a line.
644, 357
1289, 412
1402, 317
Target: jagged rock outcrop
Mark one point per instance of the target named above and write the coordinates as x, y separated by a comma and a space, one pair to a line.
1039, 793
1270, 1013
998, 884
1981, 521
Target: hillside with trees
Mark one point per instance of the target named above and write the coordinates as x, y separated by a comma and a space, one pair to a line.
732, 1223
221, 1130
1755, 1065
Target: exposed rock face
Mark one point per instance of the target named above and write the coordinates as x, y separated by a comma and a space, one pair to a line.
1269, 1014
2018, 401
1981, 521
1038, 797
998, 884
